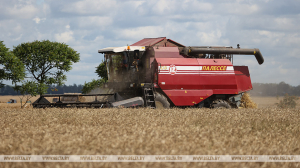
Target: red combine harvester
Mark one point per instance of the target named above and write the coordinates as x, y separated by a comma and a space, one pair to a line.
161, 73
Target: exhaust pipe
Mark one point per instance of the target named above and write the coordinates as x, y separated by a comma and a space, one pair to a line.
236, 51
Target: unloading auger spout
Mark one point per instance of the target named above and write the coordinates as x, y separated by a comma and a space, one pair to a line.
236, 51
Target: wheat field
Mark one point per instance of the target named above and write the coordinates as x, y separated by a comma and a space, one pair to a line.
190, 131
146, 132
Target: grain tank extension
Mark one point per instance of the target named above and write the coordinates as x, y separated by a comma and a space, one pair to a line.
161, 73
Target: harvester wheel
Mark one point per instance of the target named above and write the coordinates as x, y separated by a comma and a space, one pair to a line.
161, 101
220, 104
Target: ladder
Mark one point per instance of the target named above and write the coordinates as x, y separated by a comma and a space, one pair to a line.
149, 98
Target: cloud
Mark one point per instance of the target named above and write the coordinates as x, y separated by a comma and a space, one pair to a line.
283, 71
241, 9
140, 32
88, 25
88, 7
94, 22
64, 37
18, 9
38, 20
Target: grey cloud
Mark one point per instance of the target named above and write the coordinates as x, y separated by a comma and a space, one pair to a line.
77, 8
16, 9
270, 25
279, 8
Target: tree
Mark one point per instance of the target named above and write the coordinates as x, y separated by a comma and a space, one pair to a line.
283, 88
102, 71
12, 68
88, 87
29, 89
45, 63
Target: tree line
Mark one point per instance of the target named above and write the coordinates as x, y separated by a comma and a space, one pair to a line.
274, 89
259, 89
53, 89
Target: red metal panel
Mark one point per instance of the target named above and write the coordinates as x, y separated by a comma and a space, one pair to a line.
185, 79
191, 73
178, 61
148, 41
188, 81
187, 97
222, 81
181, 79
174, 42
243, 78
167, 52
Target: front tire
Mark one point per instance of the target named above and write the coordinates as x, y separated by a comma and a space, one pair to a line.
220, 104
161, 101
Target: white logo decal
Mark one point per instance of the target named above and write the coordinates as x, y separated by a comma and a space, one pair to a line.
172, 69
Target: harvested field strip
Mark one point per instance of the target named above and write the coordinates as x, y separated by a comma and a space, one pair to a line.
147, 132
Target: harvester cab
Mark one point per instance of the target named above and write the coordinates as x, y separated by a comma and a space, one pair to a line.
122, 62
124, 66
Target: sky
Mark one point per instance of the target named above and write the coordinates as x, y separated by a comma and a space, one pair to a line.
88, 25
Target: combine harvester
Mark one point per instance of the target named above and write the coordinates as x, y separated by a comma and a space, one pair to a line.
161, 73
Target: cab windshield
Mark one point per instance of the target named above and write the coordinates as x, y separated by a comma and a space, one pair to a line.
114, 65
122, 67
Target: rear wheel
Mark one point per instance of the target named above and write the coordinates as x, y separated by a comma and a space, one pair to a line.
220, 104
161, 101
